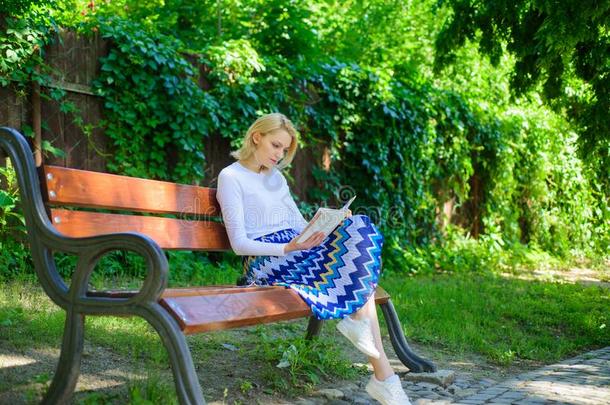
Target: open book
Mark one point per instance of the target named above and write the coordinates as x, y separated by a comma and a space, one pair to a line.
325, 221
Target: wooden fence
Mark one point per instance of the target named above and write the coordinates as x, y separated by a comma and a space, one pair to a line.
76, 60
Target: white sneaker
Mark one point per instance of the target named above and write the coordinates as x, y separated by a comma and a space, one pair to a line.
388, 391
360, 334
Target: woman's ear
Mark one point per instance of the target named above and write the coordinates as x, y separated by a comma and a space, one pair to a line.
256, 137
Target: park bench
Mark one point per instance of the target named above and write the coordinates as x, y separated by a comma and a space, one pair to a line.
52, 201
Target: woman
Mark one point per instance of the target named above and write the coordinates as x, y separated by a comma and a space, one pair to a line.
336, 276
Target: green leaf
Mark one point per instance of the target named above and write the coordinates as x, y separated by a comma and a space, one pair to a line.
11, 55
47, 147
7, 202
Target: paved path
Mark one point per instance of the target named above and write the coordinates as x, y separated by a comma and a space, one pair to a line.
581, 380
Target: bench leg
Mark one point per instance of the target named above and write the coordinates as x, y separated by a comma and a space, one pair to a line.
313, 327
68, 367
415, 363
188, 389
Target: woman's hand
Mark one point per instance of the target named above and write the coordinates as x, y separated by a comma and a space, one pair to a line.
313, 240
349, 213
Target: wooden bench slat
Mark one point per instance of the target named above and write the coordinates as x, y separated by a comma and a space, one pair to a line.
216, 290
224, 311
206, 309
169, 233
186, 291
381, 296
72, 187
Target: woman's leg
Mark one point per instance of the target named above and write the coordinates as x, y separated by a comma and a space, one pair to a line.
381, 366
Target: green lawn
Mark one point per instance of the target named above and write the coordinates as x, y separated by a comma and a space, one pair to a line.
502, 318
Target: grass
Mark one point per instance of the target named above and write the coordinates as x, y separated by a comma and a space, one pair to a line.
285, 361
502, 317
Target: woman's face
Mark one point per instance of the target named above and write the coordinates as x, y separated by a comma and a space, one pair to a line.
272, 147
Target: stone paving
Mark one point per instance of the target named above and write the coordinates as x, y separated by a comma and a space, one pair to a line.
581, 380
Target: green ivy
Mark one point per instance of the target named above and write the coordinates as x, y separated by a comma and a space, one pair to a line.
14, 255
155, 113
23, 34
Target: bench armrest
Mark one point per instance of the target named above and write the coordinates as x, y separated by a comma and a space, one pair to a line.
44, 240
91, 249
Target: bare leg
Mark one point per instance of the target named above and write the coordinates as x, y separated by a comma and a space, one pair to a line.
381, 366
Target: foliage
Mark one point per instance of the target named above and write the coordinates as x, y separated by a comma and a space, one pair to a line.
153, 105
11, 219
306, 363
550, 196
178, 72
25, 28
16, 7
14, 257
563, 50
394, 34
154, 390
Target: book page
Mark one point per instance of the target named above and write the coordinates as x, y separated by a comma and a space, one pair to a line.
325, 221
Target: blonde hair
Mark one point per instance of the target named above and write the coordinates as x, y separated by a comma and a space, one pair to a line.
265, 125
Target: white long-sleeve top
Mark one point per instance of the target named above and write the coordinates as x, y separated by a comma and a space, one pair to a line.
255, 204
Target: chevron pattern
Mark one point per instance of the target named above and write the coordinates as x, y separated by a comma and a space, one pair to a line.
335, 278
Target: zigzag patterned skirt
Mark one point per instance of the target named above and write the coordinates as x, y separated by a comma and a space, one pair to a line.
335, 278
